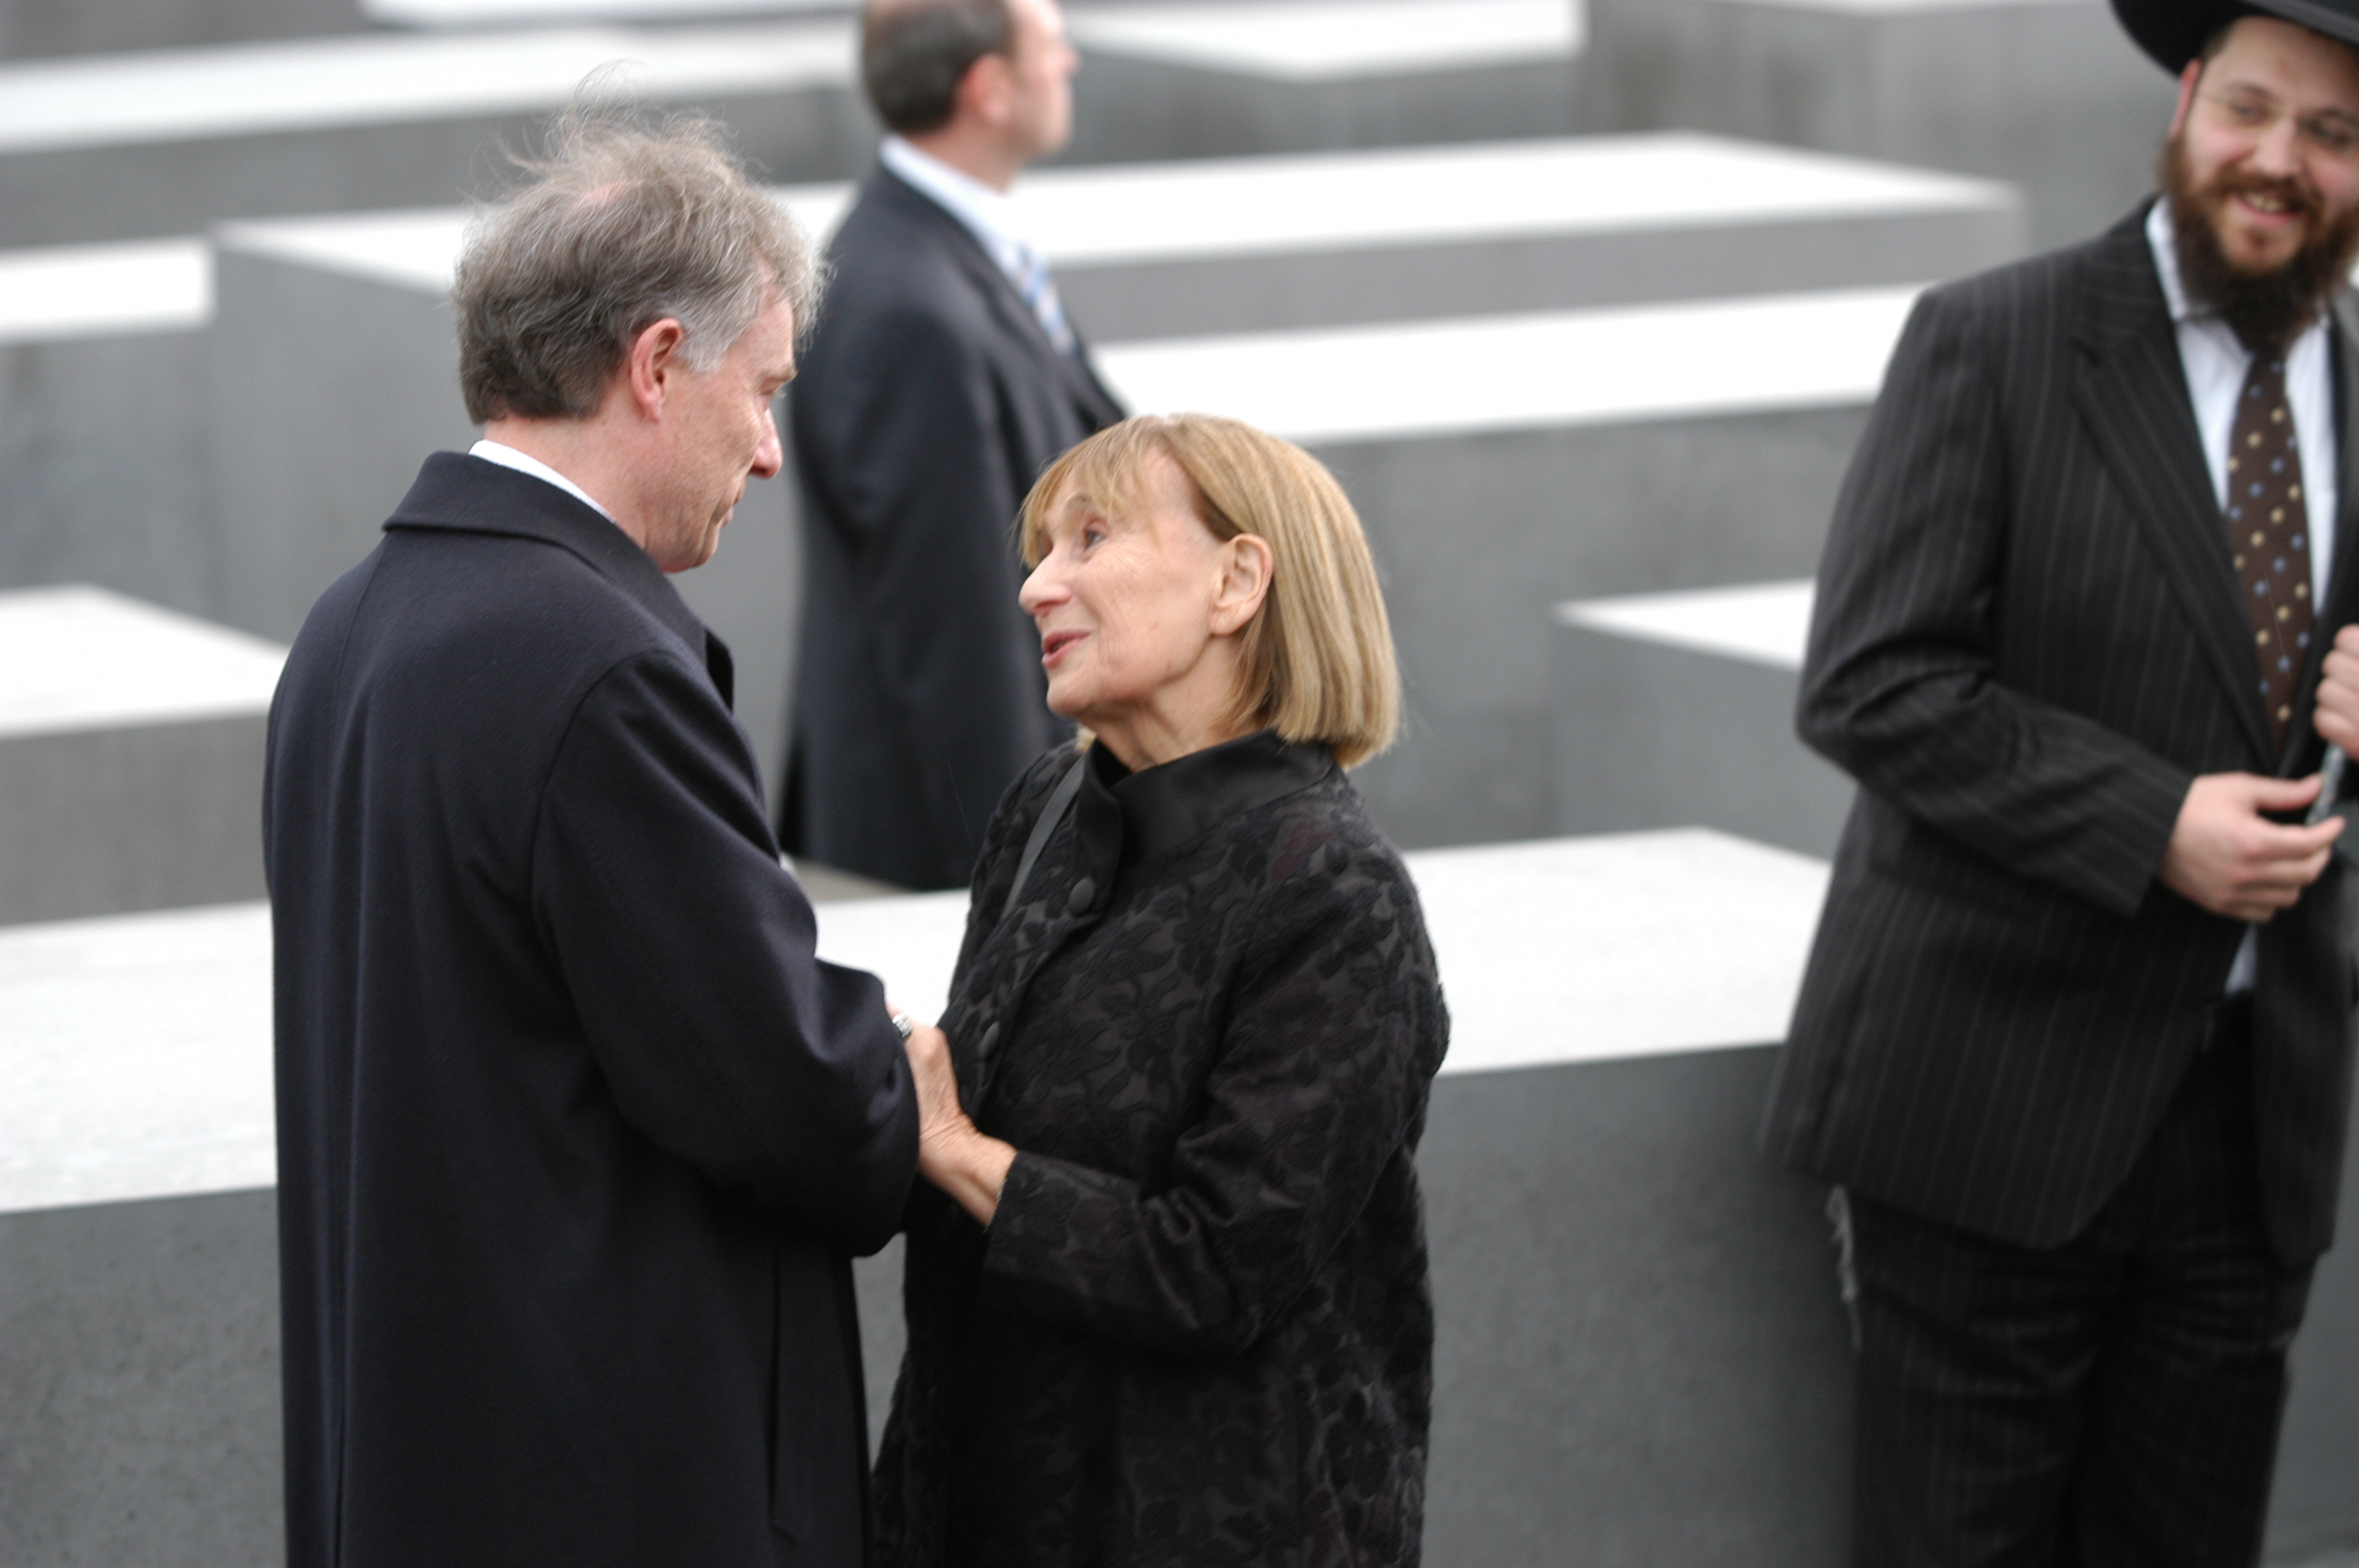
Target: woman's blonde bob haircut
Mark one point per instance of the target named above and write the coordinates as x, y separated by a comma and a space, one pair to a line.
1318, 658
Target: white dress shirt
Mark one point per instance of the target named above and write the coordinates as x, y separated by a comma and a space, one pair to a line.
988, 214
507, 457
2215, 365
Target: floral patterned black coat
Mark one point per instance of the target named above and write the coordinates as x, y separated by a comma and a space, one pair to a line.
1198, 1330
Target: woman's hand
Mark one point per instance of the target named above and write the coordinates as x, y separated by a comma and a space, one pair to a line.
951, 1154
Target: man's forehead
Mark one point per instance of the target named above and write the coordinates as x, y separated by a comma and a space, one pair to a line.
2267, 51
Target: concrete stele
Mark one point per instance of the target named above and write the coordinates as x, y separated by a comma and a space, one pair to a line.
55, 293
1529, 372
1902, 7
1300, 204
181, 95
435, 15
138, 1047
1762, 623
79, 658
1331, 40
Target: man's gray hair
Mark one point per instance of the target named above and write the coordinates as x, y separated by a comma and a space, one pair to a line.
626, 219
914, 53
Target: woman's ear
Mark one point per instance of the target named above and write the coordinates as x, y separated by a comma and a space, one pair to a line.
1245, 565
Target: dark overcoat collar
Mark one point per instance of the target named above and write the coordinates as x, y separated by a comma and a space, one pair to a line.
458, 492
1124, 818
2132, 392
959, 242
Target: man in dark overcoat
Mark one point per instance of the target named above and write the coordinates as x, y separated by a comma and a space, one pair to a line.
575, 1133
941, 377
2075, 1039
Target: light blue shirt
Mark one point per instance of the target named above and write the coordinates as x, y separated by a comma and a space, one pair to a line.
988, 214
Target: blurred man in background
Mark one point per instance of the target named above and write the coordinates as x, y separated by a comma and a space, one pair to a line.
941, 379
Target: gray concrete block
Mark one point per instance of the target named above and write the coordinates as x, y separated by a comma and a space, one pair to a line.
170, 143
131, 755
348, 309
1673, 709
42, 27
2046, 93
1258, 245
102, 475
1503, 465
459, 15
101, 821
139, 1385
102, 465
1264, 76
1477, 537
2314, 1510
1640, 1356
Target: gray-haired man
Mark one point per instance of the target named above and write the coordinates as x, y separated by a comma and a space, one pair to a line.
575, 1133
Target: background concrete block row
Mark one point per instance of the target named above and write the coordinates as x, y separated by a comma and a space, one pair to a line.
327, 369
1501, 465
2045, 93
1587, 1119
1579, 388
121, 146
131, 749
1257, 76
1642, 1356
1679, 708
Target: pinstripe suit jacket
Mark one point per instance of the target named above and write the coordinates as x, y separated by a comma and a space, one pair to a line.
2027, 642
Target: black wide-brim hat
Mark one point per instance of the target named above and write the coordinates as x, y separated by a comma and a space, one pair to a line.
2175, 31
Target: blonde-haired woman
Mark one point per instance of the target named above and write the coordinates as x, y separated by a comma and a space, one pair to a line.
1167, 1290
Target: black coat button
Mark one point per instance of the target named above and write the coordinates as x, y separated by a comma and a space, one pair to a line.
1085, 893
990, 1038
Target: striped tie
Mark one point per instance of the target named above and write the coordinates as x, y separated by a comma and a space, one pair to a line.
1039, 292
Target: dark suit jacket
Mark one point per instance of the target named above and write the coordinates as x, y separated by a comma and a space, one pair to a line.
574, 1134
929, 401
2027, 641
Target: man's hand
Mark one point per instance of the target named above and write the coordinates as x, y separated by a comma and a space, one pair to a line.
2225, 856
2338, 692
951, 1154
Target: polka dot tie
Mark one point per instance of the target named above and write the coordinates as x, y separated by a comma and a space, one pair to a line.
2268, 536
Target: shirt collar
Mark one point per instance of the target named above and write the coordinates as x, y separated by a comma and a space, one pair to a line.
2162, 239
476, 495
507, 457
1124, 818
990, 215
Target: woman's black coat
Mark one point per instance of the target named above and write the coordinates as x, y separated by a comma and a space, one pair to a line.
1198, 1330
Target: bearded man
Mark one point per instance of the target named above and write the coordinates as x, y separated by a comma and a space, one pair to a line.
2075, 1040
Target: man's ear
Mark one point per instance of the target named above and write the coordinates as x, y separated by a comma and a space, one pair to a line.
653, 360
1245, 566
2187, 80
987, 93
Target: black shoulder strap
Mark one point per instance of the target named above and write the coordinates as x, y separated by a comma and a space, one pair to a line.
1060, 800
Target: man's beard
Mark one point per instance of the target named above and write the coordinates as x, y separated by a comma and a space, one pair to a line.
2267, 310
